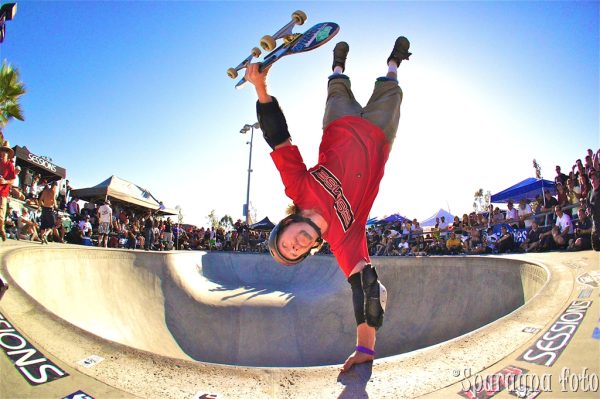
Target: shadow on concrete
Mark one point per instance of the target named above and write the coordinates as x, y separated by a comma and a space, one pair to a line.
255, 291
355, 381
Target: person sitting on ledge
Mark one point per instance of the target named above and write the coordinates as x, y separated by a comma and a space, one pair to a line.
583, 232
454, 244
506, 241
565, 228
532, 242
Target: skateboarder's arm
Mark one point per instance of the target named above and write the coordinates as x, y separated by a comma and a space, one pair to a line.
259, 80
270, 117
365, 338
263, 96
273, 124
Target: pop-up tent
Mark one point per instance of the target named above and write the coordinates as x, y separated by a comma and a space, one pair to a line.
430, 221
395, 218
372, 221
123, 191
263, 225
528, 189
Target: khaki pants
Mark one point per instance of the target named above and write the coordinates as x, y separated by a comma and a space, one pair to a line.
383, 108
3, 206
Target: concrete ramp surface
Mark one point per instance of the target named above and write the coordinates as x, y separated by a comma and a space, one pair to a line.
245, 309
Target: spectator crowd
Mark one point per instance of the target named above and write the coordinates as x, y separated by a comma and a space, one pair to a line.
568, 220
46, 211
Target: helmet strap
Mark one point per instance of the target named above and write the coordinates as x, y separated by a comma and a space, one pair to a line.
299, 218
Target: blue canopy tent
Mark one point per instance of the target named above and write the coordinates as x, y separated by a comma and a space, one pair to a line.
372, 221
395, 218
430, 221
528, 189
263, 225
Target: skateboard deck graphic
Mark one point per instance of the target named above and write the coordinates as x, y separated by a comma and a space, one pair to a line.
293, 43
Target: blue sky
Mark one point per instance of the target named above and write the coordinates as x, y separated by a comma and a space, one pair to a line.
139, 90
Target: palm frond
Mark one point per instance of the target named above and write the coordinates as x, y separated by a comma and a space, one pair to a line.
11, 89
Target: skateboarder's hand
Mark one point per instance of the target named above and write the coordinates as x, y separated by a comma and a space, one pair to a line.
259, 80
255, 76
355, 358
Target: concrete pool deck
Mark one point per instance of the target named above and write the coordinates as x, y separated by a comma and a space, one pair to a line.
171, 325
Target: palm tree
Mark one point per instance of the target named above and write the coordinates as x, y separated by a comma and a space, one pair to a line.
11, 89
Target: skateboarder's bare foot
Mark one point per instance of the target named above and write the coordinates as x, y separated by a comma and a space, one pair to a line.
356, 358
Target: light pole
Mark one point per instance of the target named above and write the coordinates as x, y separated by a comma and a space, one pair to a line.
7, 13
245, 129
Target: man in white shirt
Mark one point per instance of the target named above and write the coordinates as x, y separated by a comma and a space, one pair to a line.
524, 213
26, 227
393, 235
85, 225
565, 228
403, 247
392, 238
512, 215
104, 220
443, 226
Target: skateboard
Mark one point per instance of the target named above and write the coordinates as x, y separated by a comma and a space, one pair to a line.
293, 43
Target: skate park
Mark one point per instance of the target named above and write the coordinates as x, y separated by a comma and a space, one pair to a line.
138, 90
116, 323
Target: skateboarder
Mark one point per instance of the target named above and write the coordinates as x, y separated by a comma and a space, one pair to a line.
332, 200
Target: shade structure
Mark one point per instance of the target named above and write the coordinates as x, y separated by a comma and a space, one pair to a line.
372, 221
115, 187
263, 225
430, 221
528, 189
395, 218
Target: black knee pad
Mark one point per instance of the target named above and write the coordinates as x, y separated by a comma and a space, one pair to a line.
375, 297
369, 297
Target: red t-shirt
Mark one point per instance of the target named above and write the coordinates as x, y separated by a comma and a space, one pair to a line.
342, 186
7, 170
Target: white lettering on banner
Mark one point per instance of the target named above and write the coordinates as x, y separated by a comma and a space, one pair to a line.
554, 341
5, 343
23, 360
42, 162
27, 360
43, 374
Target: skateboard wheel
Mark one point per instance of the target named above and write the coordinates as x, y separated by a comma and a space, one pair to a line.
256, 52
232, 73
267, 43
299, 17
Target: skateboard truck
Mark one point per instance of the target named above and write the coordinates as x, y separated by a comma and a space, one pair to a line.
268, 42
254, 53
